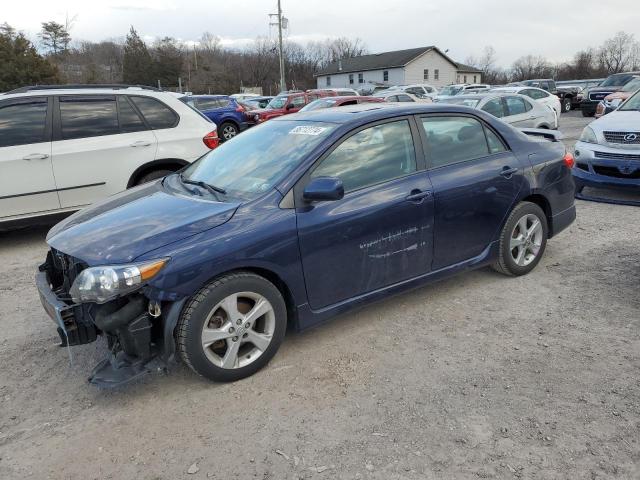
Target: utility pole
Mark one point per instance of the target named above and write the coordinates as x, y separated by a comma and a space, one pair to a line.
283, 84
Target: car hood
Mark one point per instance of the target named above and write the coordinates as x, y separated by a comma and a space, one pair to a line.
620, 95
617, 121
129, 224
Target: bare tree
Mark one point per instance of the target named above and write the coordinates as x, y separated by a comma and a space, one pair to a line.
619, 53
531, 66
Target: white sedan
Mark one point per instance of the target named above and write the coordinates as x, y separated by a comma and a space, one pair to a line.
396, 95
538, 94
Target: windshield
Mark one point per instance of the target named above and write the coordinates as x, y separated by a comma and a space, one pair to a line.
615, 81
632, 103
253, 162
450, 90
318, 104
277, 102
632, 86
466, 102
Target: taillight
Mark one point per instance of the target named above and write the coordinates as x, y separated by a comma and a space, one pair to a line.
211, 140
568, 159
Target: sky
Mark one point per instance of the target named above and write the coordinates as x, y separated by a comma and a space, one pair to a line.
555, 29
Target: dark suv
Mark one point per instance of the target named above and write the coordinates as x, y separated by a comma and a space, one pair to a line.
567, 96
224, 111
593, 96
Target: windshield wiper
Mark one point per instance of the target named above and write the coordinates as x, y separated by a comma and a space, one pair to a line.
199, 183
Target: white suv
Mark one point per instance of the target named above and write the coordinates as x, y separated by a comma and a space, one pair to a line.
63, 148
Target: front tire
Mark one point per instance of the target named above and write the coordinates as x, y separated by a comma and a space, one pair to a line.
232, 327
566, 105
586, 113
153, 175
523, 240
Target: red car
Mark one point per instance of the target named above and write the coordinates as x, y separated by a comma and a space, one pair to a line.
286, 103
340, 102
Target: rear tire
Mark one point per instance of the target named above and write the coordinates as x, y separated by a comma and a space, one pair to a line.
153, 175
232, 327
227, 131
523, 240
566, 105
586, 113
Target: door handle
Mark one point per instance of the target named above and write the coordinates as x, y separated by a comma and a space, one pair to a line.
35, 156
508, 172
418, 196
141, 143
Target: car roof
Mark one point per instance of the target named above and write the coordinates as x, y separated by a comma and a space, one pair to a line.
89, 91
366, 112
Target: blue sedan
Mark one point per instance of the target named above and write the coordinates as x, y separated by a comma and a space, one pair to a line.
297, 220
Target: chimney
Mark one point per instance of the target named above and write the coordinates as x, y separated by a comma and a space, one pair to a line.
339, 65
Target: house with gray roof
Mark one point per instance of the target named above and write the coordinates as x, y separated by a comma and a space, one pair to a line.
401, 67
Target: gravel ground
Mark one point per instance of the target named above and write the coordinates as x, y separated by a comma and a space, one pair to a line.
479, 376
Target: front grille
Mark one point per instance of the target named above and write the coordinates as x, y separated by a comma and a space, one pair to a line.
615, 172
597, 96
617, 156
624, 138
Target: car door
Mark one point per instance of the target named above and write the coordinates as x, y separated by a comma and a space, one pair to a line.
296, 103
380, 232
494, 106
518, 112
475, 179
98, 142
27, 184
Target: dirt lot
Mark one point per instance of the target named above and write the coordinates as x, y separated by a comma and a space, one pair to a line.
480, 376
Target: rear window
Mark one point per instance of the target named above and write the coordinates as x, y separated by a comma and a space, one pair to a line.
88, 116
23, 123
156, 113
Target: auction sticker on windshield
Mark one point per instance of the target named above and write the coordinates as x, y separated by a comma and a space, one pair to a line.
306, 130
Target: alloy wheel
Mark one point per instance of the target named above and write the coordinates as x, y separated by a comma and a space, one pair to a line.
526, 240
238, 330
229, 132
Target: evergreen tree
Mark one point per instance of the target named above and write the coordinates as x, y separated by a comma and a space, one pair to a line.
54, 37
21, 63
137, 65
168, 61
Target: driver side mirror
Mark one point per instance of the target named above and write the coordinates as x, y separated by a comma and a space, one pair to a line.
323, 188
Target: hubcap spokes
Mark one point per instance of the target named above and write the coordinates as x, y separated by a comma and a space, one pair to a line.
526, 240
229, 132
238, 330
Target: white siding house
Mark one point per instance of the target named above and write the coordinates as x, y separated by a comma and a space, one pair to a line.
401, 67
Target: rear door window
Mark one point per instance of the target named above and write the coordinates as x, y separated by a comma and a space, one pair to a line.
88, 116
156, 113
455, 139
515, 106
23, 122
495, 107
208, 103
129, 119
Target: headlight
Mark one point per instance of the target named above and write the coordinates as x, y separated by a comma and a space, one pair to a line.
588, 135
104, 283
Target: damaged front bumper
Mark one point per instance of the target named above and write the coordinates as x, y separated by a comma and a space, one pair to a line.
139, 336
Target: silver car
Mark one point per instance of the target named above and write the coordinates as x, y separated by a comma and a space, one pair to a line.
514, 109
